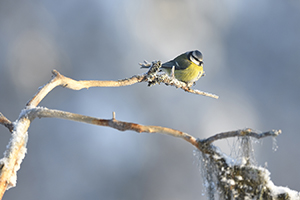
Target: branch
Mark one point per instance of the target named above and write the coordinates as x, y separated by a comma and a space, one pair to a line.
14, 154
227, 177
60, 80
216, 161
243, 132
17, 146
155, 78
42, 112
151, 77
217, 164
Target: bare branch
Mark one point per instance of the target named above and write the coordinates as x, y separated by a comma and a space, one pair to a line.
113, 123
60, 80
203, 145
243, 132
187, 89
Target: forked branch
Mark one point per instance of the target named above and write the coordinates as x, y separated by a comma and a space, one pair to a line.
17, 146
10, 163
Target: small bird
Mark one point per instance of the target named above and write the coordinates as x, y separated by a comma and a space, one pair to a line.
188, 67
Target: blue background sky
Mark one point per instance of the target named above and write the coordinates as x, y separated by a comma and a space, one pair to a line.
251, 58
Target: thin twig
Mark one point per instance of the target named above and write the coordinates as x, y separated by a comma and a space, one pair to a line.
187, 89
243, 132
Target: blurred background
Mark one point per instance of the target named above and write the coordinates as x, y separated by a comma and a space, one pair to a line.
251, 54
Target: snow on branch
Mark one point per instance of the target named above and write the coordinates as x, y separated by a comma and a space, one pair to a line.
227, 177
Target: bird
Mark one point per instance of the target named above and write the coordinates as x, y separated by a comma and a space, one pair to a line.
188, 67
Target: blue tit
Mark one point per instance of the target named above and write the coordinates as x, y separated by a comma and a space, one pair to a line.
188, 67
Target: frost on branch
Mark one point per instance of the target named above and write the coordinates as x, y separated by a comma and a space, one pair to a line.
226, 177
15, 153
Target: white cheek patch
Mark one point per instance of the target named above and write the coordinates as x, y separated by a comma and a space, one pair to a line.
194, 60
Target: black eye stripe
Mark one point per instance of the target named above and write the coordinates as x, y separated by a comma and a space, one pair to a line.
191, 55
196, 58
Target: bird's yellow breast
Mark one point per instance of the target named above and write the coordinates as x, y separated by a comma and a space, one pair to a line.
190, 74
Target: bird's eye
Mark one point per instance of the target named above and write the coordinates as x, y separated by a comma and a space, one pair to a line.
197, 55
195, 60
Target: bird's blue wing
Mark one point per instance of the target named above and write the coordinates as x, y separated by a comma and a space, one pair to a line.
170, 65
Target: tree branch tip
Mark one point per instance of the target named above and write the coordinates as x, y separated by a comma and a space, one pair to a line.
55, 72
215, 96
145, 63
113, 115
277, 132
6, 122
